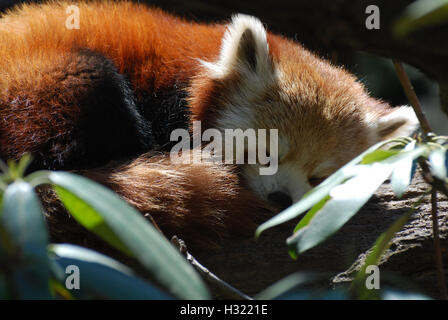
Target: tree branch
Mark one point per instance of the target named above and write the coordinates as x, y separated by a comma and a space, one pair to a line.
437, 248
222, 288
412, 97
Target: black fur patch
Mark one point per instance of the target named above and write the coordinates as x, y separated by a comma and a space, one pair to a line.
166, 112
110, 126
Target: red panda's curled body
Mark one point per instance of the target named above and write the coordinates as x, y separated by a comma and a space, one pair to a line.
115, 89
112, 90
77, 98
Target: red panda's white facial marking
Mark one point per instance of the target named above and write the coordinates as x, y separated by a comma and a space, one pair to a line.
323, 114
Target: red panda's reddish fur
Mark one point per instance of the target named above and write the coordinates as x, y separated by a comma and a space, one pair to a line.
197, 202
131, 35
46, 70
36, 50
201, 203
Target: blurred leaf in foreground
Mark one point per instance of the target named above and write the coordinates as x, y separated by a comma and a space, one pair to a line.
421, 14
22, 219
117, 217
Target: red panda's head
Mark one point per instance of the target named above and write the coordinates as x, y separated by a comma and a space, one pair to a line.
324, 116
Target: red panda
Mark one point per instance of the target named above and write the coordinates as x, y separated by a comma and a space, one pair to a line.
115, 89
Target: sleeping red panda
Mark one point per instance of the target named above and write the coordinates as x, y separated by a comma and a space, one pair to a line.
115, 89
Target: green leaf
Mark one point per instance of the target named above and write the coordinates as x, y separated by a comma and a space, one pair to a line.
346, 200
58, 289
90, 218
421, 14
402, 174
16, 170
306, 220
285, 285
23, 221
310, 214
378, 155
167, 265
22, 165
392, 294
101, 276
358, 287
438, 161
318, 193
87, 255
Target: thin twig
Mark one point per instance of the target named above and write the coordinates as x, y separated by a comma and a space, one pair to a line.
225, 289
334, 57
438, 251
149, 216
412, 97
435, 183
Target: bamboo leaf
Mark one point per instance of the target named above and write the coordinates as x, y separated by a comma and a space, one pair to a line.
76, 252
285, 285
22, 220
381, 245
378, 155
318, 193
345, 201
438, 161
167, 265
101, 276
86, 215
391, 294
421, 14
402, 175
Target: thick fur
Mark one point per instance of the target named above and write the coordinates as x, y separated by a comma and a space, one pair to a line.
196, 201
324, 116
118, 86
63, 91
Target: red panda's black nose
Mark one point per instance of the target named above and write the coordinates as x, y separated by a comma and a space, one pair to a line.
280, 199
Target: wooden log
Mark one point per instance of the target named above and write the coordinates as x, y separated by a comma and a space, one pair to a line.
252, 265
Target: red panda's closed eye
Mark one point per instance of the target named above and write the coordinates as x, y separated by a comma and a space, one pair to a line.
315, 181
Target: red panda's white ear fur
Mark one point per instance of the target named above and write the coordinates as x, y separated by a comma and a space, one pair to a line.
244, 49
401, 121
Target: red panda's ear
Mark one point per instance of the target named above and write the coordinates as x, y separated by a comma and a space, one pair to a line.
244, 50
401, 121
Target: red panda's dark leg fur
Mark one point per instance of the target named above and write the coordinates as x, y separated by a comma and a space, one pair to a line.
78, 112
199, 203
